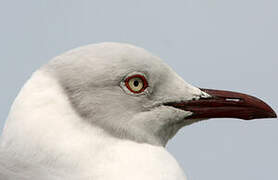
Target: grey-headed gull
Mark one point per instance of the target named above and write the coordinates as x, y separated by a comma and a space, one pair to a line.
105, 112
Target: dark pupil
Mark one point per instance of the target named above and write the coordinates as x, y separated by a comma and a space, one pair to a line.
136, 83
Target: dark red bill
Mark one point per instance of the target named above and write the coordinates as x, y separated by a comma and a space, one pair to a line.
226, 104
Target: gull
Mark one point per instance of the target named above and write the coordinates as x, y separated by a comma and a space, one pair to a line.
106, 111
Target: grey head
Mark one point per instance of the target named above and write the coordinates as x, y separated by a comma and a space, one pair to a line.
94, 78
132, 94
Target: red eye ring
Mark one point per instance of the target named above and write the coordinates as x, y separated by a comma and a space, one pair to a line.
142, 78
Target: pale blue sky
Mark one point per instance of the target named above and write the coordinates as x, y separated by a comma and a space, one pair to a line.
223, 44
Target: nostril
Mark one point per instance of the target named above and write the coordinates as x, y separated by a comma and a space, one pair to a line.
233, 99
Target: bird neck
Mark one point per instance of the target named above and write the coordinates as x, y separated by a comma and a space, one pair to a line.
42, 127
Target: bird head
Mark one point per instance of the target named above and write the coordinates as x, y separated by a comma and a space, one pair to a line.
132, 94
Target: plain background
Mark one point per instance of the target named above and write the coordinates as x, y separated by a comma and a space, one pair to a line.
223, 44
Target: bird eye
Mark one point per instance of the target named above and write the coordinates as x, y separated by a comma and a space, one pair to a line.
136, 83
